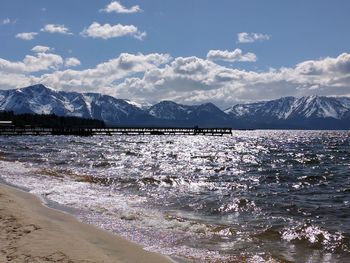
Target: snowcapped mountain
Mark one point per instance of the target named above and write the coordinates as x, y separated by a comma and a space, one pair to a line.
142, 105
203, 115
312, 112
41, 100
169, 110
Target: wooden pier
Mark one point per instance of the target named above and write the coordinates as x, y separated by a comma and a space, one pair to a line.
114, 131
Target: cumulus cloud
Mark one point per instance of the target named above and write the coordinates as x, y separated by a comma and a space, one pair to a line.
15, 80
56, 28
107, 31
117, 7
72, 62
328, 65
182, 80
189, 80
231, 56
104, 75
245, 37
39, 62
27, 35
41, 49
195, 80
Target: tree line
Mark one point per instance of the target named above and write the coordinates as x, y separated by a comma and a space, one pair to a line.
49, 120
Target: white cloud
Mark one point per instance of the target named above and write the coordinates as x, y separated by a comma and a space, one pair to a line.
27, 35
182, 80
106, 31
340, 64
188, 80
104, 75
6, 21
195, 80
231, 56
39, 62
41, 49
72, 62
55, 28
9, 80
245, 37
117, 7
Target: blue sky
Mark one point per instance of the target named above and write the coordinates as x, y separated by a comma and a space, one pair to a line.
184, 50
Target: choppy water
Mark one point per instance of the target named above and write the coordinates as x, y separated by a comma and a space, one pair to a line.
257, 196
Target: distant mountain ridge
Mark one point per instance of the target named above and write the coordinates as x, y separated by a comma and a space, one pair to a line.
41, 100
312, 112
189, 115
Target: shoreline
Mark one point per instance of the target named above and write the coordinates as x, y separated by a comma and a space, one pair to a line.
29, 231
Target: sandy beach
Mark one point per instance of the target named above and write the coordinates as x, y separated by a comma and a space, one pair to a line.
31, 232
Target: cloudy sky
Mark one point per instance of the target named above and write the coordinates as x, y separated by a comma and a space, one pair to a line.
189, 51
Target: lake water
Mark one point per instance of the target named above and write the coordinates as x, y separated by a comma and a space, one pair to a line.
256, 196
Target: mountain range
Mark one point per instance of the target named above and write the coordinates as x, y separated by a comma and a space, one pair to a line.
311, 112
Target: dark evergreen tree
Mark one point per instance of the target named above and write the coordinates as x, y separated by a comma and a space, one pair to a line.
49, 121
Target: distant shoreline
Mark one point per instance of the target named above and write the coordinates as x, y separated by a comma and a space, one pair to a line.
31, 231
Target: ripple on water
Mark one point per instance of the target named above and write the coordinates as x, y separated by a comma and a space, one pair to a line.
258, 196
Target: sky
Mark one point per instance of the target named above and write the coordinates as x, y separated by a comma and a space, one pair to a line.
188, 51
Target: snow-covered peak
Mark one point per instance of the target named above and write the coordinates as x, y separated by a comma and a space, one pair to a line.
41, 100
321, 107
37, 88
143, 105
284, 112
290, 107
170, 110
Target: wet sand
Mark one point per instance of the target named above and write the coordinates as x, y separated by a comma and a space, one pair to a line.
31, 232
